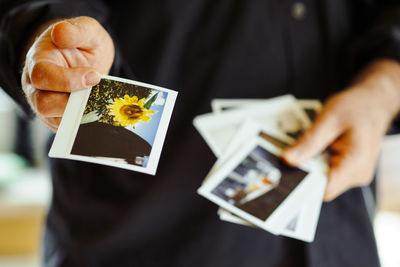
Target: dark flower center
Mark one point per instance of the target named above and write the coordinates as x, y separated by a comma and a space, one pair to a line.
132, 111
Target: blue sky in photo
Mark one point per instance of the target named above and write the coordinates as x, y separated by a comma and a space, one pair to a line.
148, 130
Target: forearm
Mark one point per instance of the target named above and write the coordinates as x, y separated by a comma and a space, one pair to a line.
382, 78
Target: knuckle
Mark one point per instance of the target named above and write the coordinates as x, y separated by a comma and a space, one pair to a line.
55, 79
38, 75
30, 92
42, 104
64, 82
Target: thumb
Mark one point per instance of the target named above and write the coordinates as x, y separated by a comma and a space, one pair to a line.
321, 134
81, 32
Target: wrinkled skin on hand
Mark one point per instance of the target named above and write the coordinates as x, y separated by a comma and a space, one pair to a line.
67, 56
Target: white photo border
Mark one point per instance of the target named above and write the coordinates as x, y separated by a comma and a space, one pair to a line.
209, 122
283, 213
71, 120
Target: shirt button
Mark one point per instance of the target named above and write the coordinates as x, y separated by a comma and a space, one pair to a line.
299, 11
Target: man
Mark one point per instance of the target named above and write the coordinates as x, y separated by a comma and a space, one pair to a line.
102, 216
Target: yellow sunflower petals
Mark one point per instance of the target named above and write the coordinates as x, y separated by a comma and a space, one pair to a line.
129, 110
126, 97
146, 118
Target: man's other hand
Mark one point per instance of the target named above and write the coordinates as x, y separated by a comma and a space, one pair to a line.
353, 123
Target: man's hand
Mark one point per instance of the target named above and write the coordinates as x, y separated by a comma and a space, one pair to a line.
66, 57
353, 123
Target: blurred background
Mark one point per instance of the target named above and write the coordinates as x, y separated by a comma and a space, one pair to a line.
25, 188
25, 191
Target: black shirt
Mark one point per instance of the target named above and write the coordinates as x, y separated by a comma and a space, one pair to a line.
103, 216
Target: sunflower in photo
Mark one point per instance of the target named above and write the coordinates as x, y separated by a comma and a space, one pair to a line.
129, 110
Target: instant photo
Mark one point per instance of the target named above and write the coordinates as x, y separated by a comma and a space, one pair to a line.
248, 130
283, 114
303, 224
256, 185
259, 184
289, 117
310, 107
121, 123
220, 104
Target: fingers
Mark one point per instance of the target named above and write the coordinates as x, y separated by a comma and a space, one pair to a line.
53, 123
49, 76
50, 107
81, 32
49, 104
340, 175
322, 133
352, 163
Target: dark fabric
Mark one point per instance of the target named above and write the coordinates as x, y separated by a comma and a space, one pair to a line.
23, 140
102, 216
